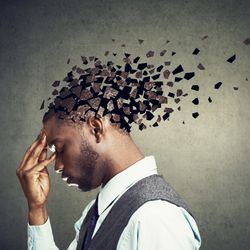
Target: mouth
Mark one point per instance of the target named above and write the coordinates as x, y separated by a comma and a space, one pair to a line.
70, 184
65, 178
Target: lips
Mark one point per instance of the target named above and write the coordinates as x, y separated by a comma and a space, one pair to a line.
70, 184
65, 178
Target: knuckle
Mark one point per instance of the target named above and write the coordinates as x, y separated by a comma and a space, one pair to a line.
26, 174
18, 172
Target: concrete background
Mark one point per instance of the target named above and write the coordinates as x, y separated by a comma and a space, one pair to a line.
206, 160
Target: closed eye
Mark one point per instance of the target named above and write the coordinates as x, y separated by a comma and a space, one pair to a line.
52, 148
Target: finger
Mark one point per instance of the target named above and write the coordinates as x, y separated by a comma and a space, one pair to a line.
45, 171
44, 164
34, 155
43, 155
29, 150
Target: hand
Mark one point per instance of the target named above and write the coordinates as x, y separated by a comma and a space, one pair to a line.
33, 173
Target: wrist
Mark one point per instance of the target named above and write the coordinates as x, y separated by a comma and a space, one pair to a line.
37, 215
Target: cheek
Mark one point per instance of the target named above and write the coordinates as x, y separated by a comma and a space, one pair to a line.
70, 157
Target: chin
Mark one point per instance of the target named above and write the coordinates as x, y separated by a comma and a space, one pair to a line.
85, 189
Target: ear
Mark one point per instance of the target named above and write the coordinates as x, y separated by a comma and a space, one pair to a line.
96, 126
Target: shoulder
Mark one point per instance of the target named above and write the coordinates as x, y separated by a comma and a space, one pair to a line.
158, 223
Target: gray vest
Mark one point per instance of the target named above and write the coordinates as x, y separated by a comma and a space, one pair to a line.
153, 187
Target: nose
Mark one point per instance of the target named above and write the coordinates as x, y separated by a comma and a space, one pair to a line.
58, 165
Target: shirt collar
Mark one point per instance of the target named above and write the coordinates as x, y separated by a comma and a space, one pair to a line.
123, 180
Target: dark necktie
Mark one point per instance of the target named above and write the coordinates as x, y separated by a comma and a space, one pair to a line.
90, 230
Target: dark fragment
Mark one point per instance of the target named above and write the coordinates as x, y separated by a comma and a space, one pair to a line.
56, 83
140, 41
149, 115
165, 116
231, 59
209, 99
150, 53
170, 84
155, 124
42, 105
200, 66
177, 100
179, 92
195, 101
217, 85
204, 37
55, 92
178, 70
142, 66
178, 79
142, 126
166, 74
84, 60
195, 114
195, 87
167, 63
247, 41
168, 110
159, 68
170, 94
136, 59
162, 53
189, 75
196, 51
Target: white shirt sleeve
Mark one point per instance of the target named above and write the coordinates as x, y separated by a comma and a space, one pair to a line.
160, 225
40, 237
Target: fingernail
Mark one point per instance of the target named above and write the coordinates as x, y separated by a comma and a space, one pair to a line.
43, 137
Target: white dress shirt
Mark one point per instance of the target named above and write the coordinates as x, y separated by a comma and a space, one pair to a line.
155, 225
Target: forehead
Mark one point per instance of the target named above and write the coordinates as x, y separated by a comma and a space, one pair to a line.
57, 128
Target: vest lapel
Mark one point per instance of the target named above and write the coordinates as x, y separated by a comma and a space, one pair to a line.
84, 228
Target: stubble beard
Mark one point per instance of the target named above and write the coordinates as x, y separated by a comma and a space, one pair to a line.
87, 163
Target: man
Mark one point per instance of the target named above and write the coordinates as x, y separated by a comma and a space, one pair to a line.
97, 154
88, 127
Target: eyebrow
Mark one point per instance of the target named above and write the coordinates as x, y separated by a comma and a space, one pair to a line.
53, 141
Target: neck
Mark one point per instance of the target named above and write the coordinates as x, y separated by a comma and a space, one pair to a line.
124, 154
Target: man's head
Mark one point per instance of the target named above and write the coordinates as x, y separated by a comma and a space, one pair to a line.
92, 117
85, 149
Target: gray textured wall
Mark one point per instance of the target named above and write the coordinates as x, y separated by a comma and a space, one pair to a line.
206, 160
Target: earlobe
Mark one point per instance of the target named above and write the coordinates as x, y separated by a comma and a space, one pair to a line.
98, 136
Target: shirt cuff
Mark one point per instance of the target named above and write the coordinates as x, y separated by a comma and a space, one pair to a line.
40, 236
